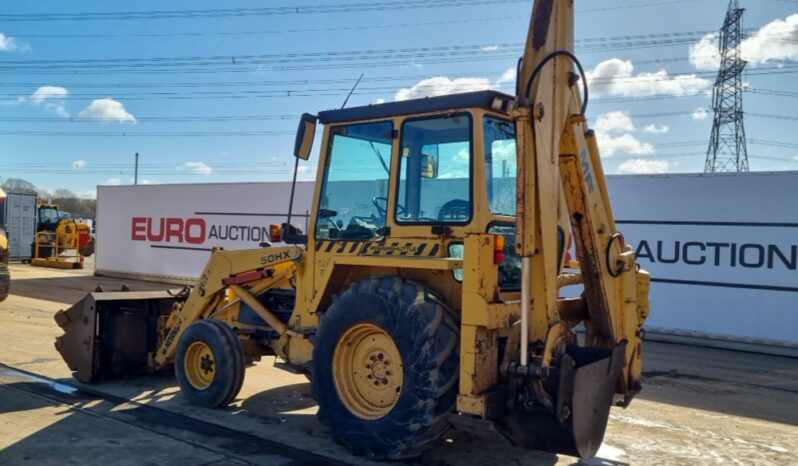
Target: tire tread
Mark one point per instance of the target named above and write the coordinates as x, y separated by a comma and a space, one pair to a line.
438, 345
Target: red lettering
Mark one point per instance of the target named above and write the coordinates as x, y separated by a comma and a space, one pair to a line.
139, 228
174, 229
151, 235
170, 229
199, 237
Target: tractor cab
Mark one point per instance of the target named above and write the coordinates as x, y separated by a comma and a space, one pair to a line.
48, 218
415, 177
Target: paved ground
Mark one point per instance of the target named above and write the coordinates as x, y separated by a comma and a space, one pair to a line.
699, 406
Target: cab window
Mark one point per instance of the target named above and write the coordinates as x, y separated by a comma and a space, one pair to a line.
435, 170
355, 187
500, 165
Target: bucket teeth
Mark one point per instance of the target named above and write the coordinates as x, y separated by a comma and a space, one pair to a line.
61, 318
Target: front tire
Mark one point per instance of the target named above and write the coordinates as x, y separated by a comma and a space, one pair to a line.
209, 364
385, 368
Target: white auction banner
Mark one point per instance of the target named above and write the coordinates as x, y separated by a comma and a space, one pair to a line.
722, 249
167, 231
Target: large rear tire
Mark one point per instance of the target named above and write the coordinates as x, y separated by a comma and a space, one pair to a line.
5, 281
385, 368
209, 364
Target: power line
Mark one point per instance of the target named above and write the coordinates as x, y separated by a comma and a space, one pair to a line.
293, 118
216, 13
290, 11
597, 44
265, 31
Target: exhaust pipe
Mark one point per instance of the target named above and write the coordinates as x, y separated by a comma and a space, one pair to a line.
112, 334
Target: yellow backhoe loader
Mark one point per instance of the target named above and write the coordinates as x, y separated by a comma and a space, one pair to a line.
432, 288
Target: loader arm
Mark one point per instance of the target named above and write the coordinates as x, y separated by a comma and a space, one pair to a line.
229, 270
557, 150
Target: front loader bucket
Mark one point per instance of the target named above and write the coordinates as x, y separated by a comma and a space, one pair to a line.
109, 334
584, 391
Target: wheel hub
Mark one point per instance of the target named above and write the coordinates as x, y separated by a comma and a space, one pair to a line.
206, 364
200, 365
367, 370
379, 368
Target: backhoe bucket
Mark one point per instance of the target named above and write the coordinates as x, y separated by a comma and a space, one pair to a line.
585, 387
109, 334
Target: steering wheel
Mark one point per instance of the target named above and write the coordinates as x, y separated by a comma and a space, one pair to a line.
381, 204
455, 209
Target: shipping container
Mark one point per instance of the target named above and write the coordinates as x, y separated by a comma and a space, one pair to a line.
18, 219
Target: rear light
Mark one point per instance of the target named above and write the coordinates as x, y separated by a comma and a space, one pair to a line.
275, 233
498, 249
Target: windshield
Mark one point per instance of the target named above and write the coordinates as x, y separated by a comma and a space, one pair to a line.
48, 215
355, 187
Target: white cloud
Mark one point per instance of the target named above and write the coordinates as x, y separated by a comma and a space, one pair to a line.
775, 41
641, 166
506, 77
78, 164
613, 132
700, 113
379, 101
490, 48
704, 54
113, 182
200, 168
504, 150
610, 144
48, 92
614, 122
50, 98
657, 129
441, 85
107, 110
617, 77
9, 44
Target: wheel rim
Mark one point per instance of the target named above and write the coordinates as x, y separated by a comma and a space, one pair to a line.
200, 365
367, 369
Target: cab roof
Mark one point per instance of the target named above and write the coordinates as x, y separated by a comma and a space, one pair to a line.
490, 100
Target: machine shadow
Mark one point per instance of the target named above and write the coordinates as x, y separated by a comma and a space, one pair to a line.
70, 421
75, 427
294, 406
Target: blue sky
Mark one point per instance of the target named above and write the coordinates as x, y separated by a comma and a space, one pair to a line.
216, 99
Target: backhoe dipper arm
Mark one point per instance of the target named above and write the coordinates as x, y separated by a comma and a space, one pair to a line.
556, 150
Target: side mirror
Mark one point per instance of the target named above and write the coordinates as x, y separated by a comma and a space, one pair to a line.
304, 136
